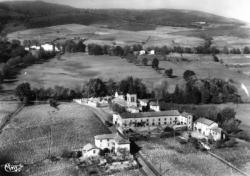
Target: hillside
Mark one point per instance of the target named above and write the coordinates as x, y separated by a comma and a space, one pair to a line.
33, 14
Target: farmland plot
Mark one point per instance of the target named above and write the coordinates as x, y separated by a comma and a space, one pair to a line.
40, 131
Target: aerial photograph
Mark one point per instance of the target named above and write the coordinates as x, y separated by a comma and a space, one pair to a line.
124, 88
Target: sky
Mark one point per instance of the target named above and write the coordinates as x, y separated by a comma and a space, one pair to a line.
239, 9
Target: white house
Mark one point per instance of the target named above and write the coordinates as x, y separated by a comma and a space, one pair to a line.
26, 48
154, 106
113, 142
119, 96
94, 102
152, 119
151, 52
143, 102
208, 128
49, 47
89, 151
34, 47
142, 52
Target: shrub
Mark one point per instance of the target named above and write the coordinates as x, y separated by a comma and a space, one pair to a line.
67, 154
242, 135
169, 72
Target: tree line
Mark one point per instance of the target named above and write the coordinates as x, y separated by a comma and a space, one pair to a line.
14, 57
207, 48
93, 88
199, 91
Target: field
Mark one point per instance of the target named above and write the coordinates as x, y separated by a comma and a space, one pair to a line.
73, 69
7, 108
171, 158
99, 34
39, 131
230, 36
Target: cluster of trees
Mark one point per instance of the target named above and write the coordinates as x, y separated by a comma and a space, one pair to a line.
131, 52
205, 91
199, 91
26, 94
95, 49
93, 88
13, 55
72, 46
226, 50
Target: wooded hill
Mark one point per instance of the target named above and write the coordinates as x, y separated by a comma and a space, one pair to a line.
33, 14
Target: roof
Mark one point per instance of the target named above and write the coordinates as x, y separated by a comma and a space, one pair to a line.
89, 147
154, 103
216, 129
185, 114
118, 138
143, 100
105, 136
121, 140
120, 102
205, 121
149, 114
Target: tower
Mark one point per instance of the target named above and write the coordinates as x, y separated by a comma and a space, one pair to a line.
132, 99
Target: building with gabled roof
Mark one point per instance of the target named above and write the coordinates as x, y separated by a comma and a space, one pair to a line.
89, 151
152, 119
208, 128
113, 142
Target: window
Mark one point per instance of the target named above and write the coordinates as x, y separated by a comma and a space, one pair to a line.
94, 151
165, 119
153, 124
132, 99
147, 120
159, 119
165, 123
159, 123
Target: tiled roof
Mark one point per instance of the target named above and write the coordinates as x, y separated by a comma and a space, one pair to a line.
216, 129
115, 136
150, 114
89, 147
154, 103
143, 100
185, 114
205, 121
105, 136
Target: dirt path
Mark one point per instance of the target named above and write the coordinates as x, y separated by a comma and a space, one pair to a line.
6, 119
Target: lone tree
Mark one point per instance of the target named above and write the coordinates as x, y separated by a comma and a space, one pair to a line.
188, 74
169, 72
145, 61
53, 103
155, 63
24, 93
216, 59
246, 50
226, 114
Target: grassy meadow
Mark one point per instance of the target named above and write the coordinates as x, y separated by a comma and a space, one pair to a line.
73, 69
172, 158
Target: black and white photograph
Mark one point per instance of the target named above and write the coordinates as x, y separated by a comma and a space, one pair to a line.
124, 88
